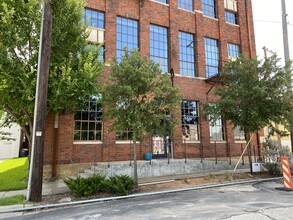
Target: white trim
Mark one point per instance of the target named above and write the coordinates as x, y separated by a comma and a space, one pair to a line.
240, 142
159, 2
186, 10
218, 142
191, 77
87, 142
198, 11
236, 25
190, 142
216, 19
126, 142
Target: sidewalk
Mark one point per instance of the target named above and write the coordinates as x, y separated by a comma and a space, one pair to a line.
59, 187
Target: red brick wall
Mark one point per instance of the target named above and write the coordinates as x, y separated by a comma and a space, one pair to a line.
149, 12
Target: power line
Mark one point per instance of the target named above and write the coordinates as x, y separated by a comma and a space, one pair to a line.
278, 22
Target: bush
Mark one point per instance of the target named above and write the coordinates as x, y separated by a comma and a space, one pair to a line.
272, 157
121, 185
274, 169
86, 186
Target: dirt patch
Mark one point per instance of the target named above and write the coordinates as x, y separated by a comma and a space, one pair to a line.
176, 184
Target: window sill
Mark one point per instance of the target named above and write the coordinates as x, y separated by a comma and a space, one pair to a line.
190, 142
159, 2
240, 142
236, 25
216, 19
186, 10
192, 77
125, 142
218, 142
198, 11
87, 142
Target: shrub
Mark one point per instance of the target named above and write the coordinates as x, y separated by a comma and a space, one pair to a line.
86, 186
272, 157
121, 185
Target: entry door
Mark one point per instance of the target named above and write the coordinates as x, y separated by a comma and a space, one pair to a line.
161, 146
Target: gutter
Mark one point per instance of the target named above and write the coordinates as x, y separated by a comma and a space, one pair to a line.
40, 207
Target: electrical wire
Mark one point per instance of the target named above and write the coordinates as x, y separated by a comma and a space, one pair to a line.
278, 22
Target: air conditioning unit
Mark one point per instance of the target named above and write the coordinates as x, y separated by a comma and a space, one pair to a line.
231, 5
232, 58
96, 35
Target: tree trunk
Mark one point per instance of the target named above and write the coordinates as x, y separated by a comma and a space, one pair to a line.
247, 138
37, 163
135, 160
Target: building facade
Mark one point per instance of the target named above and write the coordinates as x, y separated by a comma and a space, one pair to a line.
192, 39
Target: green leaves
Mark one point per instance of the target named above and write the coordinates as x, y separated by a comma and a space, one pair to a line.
254, 93
138, 97
73, 69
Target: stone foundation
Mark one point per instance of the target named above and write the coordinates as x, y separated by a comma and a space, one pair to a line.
65, 170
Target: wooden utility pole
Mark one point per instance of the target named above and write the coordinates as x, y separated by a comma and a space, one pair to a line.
41, 100
286, 50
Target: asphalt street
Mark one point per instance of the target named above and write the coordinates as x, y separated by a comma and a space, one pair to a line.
250, 201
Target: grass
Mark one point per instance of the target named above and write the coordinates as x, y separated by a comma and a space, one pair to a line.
13, 200
13, 174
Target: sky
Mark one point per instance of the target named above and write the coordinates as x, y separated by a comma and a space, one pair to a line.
267, 16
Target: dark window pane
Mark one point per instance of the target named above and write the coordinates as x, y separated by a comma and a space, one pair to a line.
189, 120
90, 123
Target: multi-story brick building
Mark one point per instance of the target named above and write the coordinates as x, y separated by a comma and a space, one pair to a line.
194, 38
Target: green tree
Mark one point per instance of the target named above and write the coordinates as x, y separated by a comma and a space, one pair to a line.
73, 69
139, 98
254, 94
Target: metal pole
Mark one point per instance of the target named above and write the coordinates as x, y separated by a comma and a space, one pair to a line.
35, 108
286, 49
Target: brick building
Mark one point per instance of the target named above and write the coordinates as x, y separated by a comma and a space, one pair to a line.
194, 38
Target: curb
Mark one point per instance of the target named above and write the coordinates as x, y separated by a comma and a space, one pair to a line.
138, 195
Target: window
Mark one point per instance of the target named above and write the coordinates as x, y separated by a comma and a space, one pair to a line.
231, 17
159, 46
95, 48
217, 130
186, 4
88, 121
238, 134
94, 18
233, 50
209, 8
187, 62
212, 57
189, 120
163, 1
127, 35
124, 136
